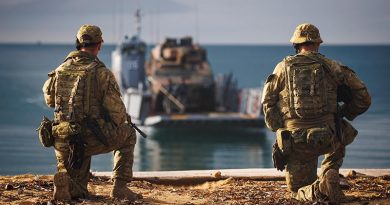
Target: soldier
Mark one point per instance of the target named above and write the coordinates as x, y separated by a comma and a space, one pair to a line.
305, 101
89, 119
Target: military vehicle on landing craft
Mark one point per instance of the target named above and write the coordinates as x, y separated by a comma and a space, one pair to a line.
176, 86
181, 78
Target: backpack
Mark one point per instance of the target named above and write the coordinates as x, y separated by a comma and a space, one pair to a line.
72, 96
306, 82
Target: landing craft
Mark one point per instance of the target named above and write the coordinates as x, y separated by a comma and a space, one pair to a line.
176, 86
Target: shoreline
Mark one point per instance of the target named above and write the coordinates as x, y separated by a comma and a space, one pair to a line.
240, 173
199, 176
225, 186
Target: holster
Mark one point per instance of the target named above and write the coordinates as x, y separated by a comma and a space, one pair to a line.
278, 159
281, 149
284, 141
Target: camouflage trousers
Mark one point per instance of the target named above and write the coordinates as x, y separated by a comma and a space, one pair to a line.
301, 172
123, 151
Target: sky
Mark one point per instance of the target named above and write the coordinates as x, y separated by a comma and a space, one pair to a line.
208, 21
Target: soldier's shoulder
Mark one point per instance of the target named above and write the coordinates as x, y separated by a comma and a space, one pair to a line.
104, 73
103, 70
338, 65
60, 67
51, 73
326, 59
270, 78
99, 65
291, 59
281, 65
288, 58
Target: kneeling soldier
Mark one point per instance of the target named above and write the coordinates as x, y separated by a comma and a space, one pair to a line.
305, 101
89, 119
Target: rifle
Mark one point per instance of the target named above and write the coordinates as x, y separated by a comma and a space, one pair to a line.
76, 151
93, 125
344, 96
138, 130
338, 118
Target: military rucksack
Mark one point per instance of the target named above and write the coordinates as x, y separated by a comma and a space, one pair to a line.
72, 96
72, 89
307, 83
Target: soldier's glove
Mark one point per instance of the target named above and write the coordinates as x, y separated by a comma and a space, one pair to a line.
278, 158
76, 152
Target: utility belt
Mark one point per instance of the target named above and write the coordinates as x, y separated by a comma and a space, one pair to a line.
307, 123
315, 140
320, 139
65, 129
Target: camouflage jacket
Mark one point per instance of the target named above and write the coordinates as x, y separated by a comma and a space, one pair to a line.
275, 92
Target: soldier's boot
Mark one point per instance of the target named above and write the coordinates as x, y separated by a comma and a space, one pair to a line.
62, 186
330, 186
120, 191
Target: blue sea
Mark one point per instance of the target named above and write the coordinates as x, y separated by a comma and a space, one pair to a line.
24, 68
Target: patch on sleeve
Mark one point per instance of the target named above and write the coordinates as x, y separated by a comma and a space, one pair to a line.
270, 78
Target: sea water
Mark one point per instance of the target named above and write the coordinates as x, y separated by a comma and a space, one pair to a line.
24, 68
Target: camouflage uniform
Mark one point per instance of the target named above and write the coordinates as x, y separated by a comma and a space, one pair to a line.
102, 100
312, 118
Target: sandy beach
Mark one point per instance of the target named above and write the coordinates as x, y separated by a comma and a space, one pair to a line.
219, 188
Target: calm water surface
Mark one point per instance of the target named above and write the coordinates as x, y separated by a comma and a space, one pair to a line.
23, 70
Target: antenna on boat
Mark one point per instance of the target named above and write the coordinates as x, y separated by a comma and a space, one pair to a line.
138, 22
151, 23
121, 19
196, 24
158, 23
113, 22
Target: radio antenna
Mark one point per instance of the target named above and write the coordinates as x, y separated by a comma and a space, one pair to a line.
196, 24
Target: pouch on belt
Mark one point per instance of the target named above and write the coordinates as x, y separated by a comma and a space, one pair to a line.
320, 140
65, 129
45, 132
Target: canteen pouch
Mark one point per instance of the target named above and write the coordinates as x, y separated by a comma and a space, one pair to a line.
348, 131
284, 141
320, 140
45, 132
64, 130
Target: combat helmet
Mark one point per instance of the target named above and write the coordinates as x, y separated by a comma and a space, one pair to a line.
89, 34
306, 32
